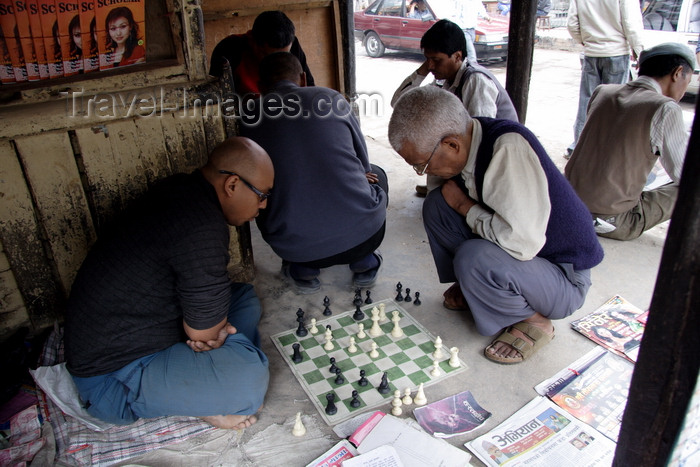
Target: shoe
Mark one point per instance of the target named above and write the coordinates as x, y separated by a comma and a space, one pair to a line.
568, 153
538, 337
422, 190
369, 277
301, 287
454, 300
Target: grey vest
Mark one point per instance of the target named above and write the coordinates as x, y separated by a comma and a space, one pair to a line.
504, 106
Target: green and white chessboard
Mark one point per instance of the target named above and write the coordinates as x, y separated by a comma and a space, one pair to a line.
407, 360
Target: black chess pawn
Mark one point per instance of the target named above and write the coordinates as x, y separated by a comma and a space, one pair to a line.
331, 409
327, 305
333, 367
368, 300
339, 379
358, 315
363, 381
417, 300
301, 329
408, 295
296, 358
383, 387
355, 402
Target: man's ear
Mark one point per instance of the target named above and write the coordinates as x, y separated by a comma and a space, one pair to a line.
302, 79
458, 55
230, 185
451, 143
677, 73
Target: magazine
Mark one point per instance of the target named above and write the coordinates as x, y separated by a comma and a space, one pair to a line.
69, 36
542, 434
37, 37
594, 392
25, 40
616, 325
451, 416
52, 45
8, 25
88, 31
121, 32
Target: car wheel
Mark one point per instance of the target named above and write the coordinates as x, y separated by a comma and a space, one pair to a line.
374, 45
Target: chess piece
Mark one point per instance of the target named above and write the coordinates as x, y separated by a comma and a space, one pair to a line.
383, 387
396, 404
331, 409
363, 381
417, 300
436, 369
339, 378
396, 331
299, 428
368, 300
399, 297
357, 301
297, 357
420, 399
355, 402
361, 333
399, 286
313, 329
358, 315
301, 329
329, 339
375, 330
408, 295
407, 399
437, 355
352, 348
382, 312
373, 353
326, 304
328, 331
300, 314
454, 359
333, 367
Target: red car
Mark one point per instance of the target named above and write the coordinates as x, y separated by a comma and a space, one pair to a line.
385, 25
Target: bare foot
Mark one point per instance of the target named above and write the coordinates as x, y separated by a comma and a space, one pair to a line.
454, 300
231, 422
504, 350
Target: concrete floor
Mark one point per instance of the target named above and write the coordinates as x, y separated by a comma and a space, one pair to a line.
629, 269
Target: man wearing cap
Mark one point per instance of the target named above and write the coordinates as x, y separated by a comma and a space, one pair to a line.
628, 128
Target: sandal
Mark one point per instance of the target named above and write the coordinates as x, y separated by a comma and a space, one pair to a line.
454, 300
538, 337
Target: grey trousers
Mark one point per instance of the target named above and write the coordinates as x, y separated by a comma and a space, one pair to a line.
500, 290
654, 207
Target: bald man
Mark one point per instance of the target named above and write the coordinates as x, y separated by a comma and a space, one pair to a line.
154, 326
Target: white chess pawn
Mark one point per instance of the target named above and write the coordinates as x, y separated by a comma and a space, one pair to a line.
382, 312
299, 428
361, 334
329, 341
328, 332
313, 329
373, 353
420, 399
396, 331
438, 348
407, 399
396, 404
436, 368
374, 312
375, 330
454, 360
352, 348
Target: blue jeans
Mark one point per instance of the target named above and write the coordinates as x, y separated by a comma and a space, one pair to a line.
230, 380
594, 72
470, 36
499, 289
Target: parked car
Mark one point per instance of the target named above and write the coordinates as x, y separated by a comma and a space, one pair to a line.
385, 25
673, 21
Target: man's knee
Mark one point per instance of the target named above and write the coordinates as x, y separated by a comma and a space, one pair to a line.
432, 206
477, 258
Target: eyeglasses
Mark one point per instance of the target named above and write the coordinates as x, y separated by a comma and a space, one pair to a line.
261, 195
421, 168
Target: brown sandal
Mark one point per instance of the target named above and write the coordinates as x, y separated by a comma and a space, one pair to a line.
538, 337
454, 300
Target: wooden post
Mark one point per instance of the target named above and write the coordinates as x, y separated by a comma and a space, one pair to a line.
667, 368
521, 44
347, 26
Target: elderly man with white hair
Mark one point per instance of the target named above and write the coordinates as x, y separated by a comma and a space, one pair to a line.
506, 226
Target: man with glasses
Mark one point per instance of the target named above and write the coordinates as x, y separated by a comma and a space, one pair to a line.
154, 326
505, 227
329, 206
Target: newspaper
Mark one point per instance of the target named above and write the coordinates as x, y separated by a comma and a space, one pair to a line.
542, 434
617, 325
594, 390
451, 416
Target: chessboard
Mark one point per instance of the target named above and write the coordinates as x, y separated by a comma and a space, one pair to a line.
407, 360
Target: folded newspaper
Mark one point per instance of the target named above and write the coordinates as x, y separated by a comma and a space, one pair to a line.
543, 434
